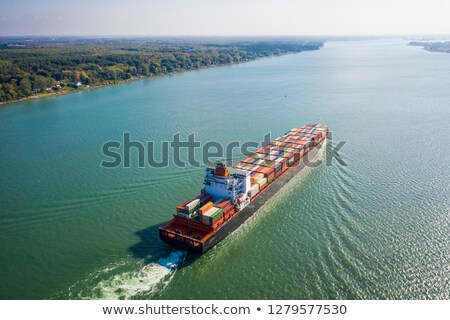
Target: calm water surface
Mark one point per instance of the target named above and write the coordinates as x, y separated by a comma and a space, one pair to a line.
377, 228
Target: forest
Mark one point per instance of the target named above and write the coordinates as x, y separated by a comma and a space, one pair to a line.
42, 66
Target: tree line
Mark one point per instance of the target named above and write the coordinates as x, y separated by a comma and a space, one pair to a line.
42, 67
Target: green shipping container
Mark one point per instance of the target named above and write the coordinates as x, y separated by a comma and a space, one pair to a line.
194, 208
217, 215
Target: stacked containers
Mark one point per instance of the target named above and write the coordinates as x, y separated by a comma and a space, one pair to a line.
266, 163
289, 150
261, 181
206, 207
257, 176
289, 156
266, 171
254, 189
271, 176
248, 159
182, 207
258, 161
283, 162
244, 166
227, 208
278, 169
211, 216
225, 205
189, 207
274, 158
193, 206
269, 149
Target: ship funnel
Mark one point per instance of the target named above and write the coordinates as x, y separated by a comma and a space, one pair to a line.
222, 169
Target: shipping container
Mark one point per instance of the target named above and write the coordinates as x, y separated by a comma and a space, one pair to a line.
223, 203
262, 182
211, 215
268, 164
218, 222
182, 207
256, 177
248, 159
206, 207
244, 166
254, 189
193, 206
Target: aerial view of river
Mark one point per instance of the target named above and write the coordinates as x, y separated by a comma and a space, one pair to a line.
375, 225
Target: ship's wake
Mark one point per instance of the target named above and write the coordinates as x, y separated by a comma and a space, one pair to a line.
147, 279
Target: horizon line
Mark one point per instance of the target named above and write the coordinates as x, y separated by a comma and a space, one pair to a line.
233, 36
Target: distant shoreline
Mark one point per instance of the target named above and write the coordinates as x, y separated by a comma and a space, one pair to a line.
63, 93
441, 46
120, 82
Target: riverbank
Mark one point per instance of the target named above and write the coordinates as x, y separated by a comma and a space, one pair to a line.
34, 68
63, 93
119, 82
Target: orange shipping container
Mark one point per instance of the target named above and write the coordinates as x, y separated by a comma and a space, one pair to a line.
206, 207
256, 177
228, 209
266, 171
248, 160
223, 204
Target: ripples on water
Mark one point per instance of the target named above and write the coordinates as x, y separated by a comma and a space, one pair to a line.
375, 229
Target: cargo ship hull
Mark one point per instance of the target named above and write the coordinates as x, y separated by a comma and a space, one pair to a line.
240, 217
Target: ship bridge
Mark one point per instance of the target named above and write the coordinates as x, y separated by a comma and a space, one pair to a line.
224, 182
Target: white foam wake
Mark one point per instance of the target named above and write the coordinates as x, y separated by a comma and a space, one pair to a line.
148, 279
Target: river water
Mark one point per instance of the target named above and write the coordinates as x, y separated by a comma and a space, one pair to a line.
374, 228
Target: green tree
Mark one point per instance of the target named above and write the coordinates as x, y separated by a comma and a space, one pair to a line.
25, 87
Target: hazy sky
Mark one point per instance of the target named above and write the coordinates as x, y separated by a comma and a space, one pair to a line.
225, 17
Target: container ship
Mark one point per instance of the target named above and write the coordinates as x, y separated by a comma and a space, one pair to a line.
232, 194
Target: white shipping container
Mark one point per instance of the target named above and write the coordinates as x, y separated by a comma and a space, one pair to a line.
258, 155
210, 212
259, 161
258, 176
262, 182
193, 204
260, 179
253, 190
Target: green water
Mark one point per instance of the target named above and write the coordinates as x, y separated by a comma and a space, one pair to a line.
377, 228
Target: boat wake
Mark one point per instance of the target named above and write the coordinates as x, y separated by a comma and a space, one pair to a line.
148, 279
